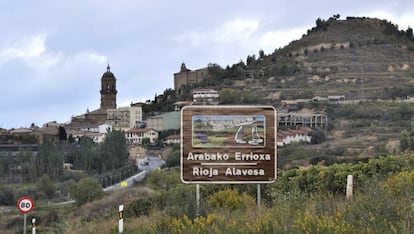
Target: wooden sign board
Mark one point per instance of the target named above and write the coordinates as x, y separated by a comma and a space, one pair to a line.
228, 144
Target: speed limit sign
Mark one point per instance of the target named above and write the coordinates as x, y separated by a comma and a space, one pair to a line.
25, 205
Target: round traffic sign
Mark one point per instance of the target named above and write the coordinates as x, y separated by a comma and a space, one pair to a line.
25, 205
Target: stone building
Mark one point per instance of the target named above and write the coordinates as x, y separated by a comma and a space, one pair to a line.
125, 117
187, 77
108, 100
108, 90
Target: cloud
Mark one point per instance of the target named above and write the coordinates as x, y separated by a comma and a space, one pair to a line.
42, 81
233, 31
403, 20
222, 43
31, 50
280, 38
33, 47
52, 62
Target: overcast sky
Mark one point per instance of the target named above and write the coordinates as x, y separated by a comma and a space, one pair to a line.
53, 53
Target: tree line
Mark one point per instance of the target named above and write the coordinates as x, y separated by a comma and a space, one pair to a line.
28, 166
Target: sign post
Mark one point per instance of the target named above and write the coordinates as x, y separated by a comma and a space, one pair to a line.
349, 187
121, 219
25, 205
33, 226
197, 200
228, 144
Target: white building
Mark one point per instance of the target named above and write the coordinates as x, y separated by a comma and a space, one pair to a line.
173, 139
124, 117
136, 135
290, 136
206, 96
96, 132
336, 98
20, 131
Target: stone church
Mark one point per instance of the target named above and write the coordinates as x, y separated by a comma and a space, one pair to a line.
108, 100
187, 77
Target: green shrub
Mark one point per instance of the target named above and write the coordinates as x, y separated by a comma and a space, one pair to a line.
230, 199
174, 159
140, 207
86, 190
163, 179
46, 186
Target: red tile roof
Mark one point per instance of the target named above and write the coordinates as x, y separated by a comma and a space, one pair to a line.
173, 137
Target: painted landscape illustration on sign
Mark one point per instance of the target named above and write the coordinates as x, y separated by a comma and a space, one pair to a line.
228, 131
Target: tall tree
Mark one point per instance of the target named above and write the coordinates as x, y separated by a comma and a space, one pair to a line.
26, 161
409, 33
250, 60
319, 22
50, 160
46, 186
261, 54
87, 157
114, 150
62, 134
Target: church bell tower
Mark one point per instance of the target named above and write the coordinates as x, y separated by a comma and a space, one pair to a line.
108, 90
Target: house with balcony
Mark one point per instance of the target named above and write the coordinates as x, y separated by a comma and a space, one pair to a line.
136, 135
206, 97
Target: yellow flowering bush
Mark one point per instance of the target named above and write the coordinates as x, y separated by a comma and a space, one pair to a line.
230, 199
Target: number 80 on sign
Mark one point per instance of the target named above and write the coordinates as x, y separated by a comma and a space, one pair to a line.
25, 205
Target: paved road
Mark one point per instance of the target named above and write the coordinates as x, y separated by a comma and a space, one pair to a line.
153, 163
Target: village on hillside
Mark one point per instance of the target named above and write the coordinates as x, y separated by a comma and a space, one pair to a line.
142, 129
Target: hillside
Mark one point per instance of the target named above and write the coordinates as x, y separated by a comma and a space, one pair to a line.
363, 59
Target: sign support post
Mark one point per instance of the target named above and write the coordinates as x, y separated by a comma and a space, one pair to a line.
228, 145
197, 200
258, 195
24, 223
